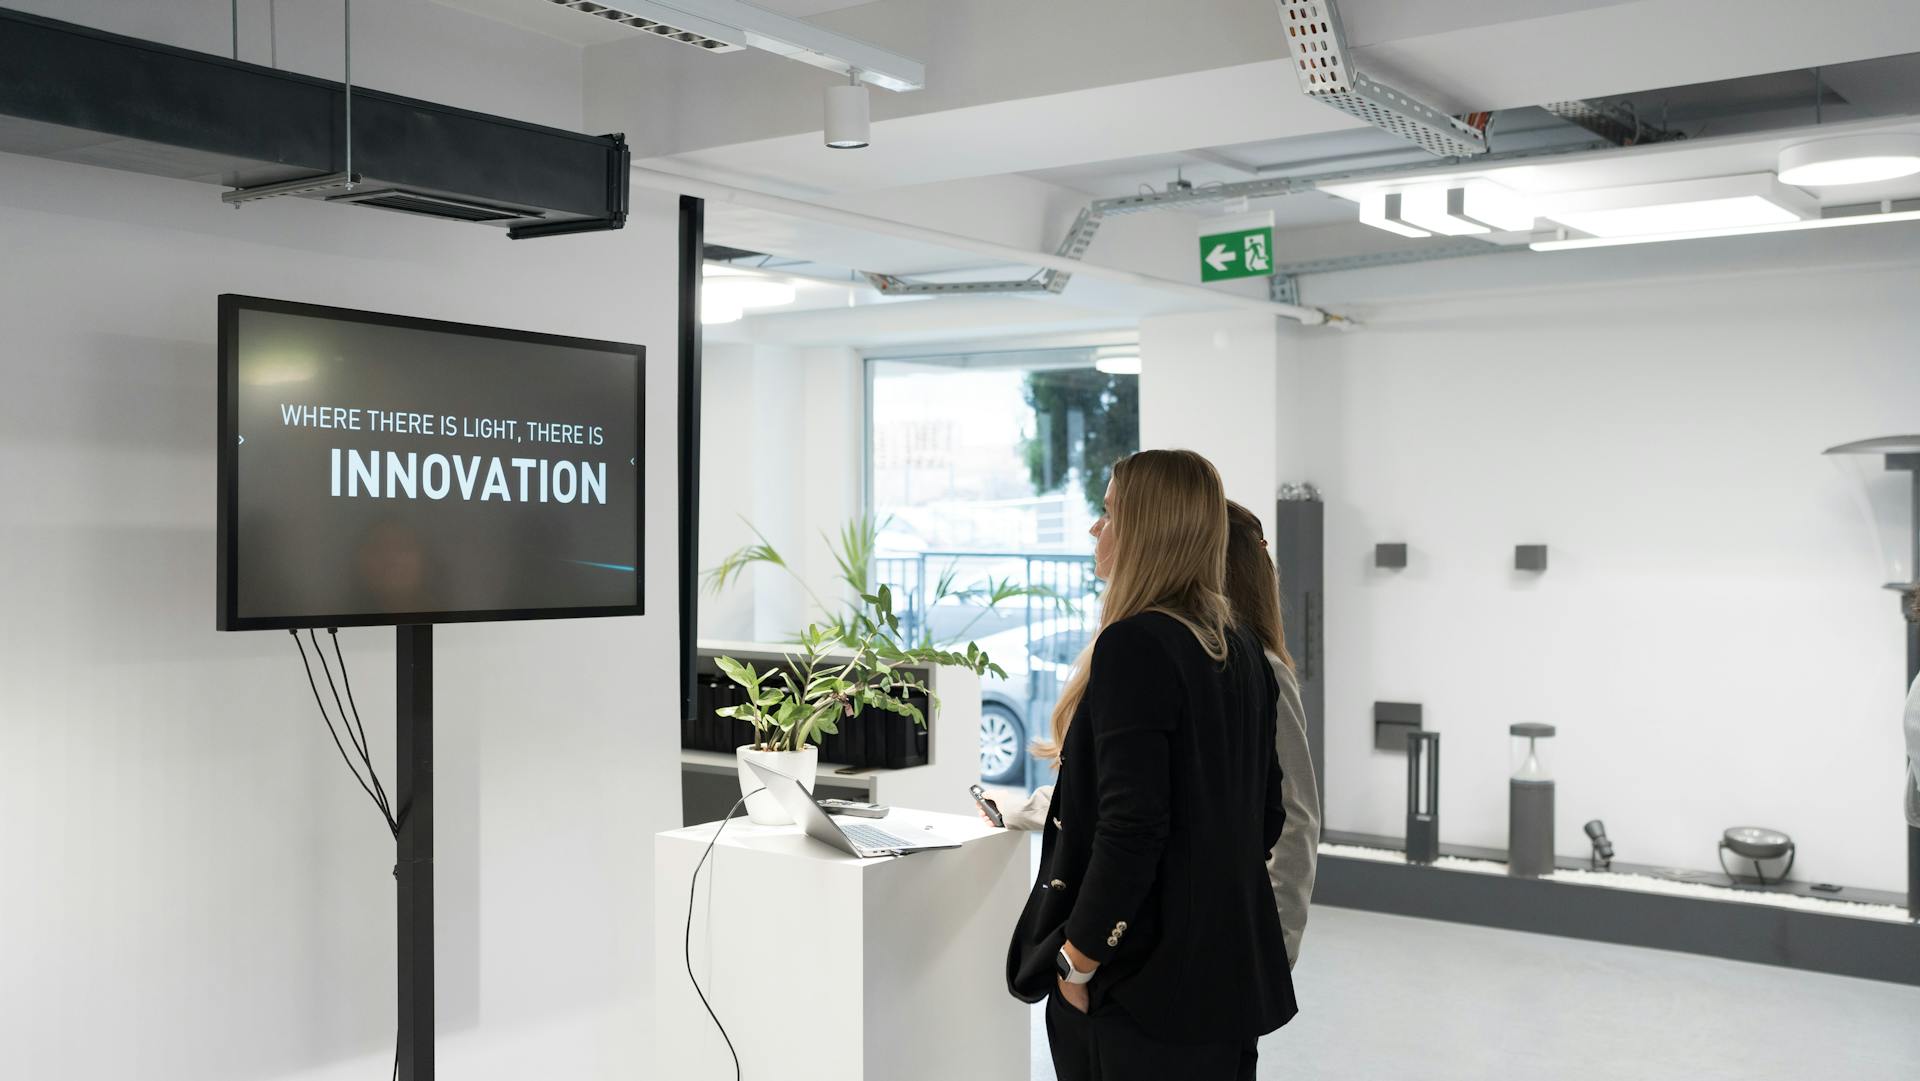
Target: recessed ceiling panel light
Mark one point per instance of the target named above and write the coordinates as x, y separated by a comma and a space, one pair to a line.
1850, 159
1681, 206
1381, 209
1836, 222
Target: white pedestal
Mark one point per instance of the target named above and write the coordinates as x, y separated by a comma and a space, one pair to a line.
824, 967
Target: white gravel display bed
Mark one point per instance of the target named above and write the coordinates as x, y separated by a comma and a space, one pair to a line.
1641, 883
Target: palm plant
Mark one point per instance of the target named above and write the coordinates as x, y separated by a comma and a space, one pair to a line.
853, 657
841, 672
853, 555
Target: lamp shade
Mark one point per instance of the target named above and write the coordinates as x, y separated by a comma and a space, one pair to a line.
1880, 475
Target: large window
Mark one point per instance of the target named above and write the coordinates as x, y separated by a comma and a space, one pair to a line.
985, 472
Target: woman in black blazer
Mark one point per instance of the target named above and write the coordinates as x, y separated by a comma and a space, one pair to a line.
1151, 930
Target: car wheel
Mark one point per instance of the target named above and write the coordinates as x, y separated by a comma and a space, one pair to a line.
1003, 745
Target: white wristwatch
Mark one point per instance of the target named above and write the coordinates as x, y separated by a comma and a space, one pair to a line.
1064, 965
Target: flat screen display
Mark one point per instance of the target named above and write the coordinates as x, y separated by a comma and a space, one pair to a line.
378, 469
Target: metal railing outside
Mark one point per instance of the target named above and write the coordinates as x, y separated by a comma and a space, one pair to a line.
1046, 633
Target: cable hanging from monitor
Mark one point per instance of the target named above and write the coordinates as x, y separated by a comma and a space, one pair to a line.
374, 790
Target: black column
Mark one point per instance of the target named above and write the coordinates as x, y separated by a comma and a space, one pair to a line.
413, 871
693, 246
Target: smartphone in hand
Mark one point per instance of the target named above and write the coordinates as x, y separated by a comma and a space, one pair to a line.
987, 806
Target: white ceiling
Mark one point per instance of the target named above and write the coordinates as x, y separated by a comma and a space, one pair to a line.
543, 17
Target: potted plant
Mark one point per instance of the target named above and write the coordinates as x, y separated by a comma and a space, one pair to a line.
837, 671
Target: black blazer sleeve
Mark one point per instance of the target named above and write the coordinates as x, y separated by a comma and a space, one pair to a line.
1275, 819
1134, 699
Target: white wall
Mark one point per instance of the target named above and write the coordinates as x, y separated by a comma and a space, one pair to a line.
782, 435
1710, 637
193, 887
1208, 383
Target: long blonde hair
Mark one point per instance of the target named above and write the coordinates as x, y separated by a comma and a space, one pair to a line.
1253, 585
1168, 517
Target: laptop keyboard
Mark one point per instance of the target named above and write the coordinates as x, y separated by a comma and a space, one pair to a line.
870, 837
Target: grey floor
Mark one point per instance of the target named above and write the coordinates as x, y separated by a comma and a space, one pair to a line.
1387, 997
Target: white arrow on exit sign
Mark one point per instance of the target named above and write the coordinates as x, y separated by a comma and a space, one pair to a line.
1219, 257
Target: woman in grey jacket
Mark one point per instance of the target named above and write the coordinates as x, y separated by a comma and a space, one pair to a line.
1254, 591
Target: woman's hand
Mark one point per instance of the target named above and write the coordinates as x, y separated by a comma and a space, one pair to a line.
1074, 993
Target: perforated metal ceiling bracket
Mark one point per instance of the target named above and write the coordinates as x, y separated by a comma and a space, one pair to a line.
1617, 124
1283, 289
1322, 62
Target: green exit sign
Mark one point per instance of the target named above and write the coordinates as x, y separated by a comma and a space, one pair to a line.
1246, 253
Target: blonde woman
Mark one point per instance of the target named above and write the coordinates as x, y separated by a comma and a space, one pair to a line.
1253, 592
1152, 930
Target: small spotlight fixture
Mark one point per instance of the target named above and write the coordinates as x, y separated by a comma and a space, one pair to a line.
1602, 847
848, 121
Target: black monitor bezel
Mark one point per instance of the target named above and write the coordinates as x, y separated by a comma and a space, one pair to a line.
227, 617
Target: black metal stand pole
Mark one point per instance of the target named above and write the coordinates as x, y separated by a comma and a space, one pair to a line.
413, 869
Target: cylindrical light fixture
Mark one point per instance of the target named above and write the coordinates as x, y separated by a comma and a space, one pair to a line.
1850, 159
848, 121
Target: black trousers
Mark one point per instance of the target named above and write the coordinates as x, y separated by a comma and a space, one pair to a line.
1108, 1046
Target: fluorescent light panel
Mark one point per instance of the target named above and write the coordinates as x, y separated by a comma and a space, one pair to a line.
1839, 221
1465, 208
1382, 210
1682, 206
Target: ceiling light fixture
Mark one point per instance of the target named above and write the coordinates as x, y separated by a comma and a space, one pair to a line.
1681, 206
746, 291
1118, 364
848, 122
1382, 210
1465, 208
726, 25
1850, 159
1847, 216
715, 311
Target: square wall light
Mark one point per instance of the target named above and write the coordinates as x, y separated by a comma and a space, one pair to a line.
1721, 202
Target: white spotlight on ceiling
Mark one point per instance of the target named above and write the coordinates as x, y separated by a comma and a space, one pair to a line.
847, 118
1117, 364
1850, 159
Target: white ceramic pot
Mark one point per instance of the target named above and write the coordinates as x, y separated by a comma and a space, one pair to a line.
802, 766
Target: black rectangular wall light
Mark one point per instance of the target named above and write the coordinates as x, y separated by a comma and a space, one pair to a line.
1530, 557
1390, 556
1392, 723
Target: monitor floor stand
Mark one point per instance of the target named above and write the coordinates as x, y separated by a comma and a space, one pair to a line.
413, 865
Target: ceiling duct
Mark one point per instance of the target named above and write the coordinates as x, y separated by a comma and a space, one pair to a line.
71, 93
1324, 66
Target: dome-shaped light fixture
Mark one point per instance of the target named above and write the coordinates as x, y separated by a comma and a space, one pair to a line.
1117, 363
1850, 159
848, 121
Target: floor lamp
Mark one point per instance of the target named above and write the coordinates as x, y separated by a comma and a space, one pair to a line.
1886, 483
